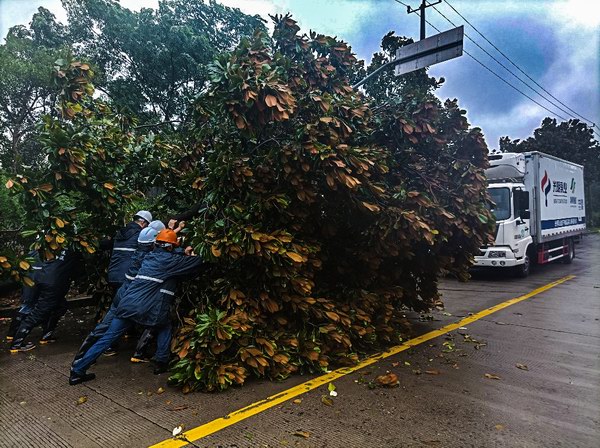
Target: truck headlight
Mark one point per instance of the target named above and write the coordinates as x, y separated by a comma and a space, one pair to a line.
496, 254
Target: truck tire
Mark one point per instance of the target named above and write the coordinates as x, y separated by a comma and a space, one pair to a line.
523, 270
568, 259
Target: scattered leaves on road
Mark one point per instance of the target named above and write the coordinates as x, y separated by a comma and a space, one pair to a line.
160, 390
491, 376
331, 389
177, 430
178, 408
81, 400
326, 400
387, 380
304, 434
521, 366
499, 427
297, 401
432, 372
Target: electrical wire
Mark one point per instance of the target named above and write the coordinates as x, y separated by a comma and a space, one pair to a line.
512, 73
490, 70
506, 68
515, 65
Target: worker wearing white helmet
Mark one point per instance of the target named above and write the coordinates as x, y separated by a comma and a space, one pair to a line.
123, 247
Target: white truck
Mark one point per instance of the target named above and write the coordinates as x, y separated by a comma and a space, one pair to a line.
539, 205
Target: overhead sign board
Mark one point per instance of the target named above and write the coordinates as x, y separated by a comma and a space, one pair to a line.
429, 51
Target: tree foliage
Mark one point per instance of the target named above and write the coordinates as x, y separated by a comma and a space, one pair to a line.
149, 64
324, 219
153, 62
328, 211
572, 140
26, 88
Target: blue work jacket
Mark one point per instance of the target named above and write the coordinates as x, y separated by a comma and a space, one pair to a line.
148, 298
124, 245
136, 262
56, 274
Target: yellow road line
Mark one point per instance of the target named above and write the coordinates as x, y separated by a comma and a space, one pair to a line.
256, 408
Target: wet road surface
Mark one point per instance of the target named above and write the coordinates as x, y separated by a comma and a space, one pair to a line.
542, 389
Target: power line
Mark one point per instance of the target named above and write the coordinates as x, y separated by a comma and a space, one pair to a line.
491, 71
516, 66
505, 67
512, 73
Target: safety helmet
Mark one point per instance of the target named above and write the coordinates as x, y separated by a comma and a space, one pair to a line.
167, 236
147, 235
157, 225
145, 215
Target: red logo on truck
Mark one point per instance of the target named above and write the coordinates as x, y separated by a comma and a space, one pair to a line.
546, 185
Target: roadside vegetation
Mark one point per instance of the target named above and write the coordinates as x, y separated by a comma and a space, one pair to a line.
325, 212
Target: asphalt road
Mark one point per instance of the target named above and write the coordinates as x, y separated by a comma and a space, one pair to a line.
444, 397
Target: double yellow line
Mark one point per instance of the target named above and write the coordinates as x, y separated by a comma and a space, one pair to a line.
260, 406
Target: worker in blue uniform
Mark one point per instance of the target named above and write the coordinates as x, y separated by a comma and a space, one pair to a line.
29, 296
145, 245
54, 283
146, 302
124, 244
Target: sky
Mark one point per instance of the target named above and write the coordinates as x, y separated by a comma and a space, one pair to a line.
556, 42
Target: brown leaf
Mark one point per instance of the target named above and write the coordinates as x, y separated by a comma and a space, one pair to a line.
522, 366
178, 408
9, 183
387, 380
499, 427
160, 390
432, 372
326, 400
297, 401
271, 100
491, 376
81, 400
304, 434
296, 257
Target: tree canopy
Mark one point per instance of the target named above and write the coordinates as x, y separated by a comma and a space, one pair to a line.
327, 211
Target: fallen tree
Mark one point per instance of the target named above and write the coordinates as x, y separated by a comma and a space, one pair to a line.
327, 213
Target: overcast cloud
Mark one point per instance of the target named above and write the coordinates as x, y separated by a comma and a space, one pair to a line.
555, 42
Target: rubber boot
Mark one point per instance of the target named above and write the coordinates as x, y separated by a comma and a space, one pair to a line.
17, 344
140, 354
15, 323
78, 379
160, 367
85, 346
49, 327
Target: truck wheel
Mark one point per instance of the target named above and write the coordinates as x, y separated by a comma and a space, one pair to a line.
568, 259
522, 270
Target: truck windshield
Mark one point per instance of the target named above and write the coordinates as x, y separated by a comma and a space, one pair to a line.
500, 197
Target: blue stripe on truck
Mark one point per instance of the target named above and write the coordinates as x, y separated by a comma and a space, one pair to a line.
562, 222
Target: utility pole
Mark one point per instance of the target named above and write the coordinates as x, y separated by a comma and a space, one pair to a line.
424, 5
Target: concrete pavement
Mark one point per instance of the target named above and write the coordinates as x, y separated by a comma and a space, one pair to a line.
444, 397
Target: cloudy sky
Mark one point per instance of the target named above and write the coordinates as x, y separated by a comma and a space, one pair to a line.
556, 42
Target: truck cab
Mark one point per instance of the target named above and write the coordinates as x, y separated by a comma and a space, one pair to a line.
511, 209
538, 201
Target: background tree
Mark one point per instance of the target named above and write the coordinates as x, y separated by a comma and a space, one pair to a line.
572, 140
149, 64
26, 89
153, 62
